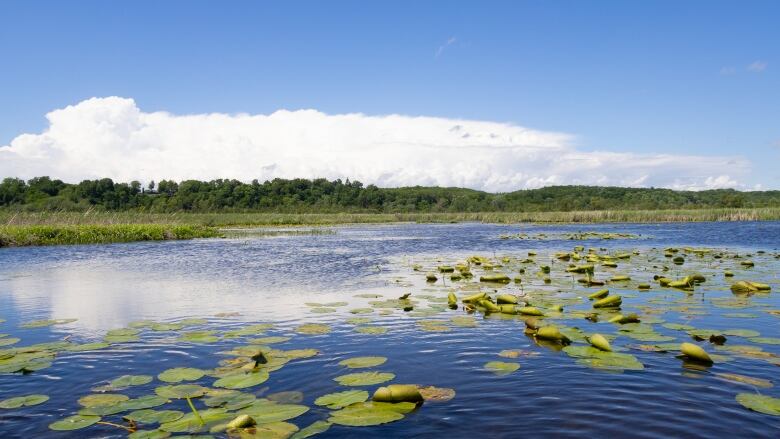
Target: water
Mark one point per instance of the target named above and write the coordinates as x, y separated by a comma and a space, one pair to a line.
269, 279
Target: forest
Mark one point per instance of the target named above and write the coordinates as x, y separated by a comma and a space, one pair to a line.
324, 196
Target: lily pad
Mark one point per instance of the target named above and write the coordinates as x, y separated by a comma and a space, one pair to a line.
758, 382
148, 416
23, 401
760, 403
313, 329
190, 423
501, 367
765, 340
149, 434
272, 430
364, 378
439, 394
88, 347
373, 330
45, 323
124, 382
181, 391
242, 380
265, 411
74, 422
229, 399
360, 362
342, 399
314, 428
286, 397
366, 414
102, 399
269, 340
179, 374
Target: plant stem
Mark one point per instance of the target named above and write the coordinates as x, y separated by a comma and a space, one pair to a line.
195, 411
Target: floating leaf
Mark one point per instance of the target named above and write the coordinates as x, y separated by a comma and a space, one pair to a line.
44, 323
148, 416
179, 374
287, 397
143, 402
9, 341
181, 391
265, 411
316, 427
342, 399
432, 393
501, 367
74, 422
124, 382
269, 340
358, 321
313, 329
758, 382
765, 340
102, 399
760, 403
373, 330
371, 413
190, 423
242, 380
149, 434
230, 399
23, 401
364, 378
88, 347
360, 362
464, 321
362, 310
741, 333
273, 430
199, 337
322, 310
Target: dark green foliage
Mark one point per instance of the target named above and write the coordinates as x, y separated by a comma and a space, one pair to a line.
320, 195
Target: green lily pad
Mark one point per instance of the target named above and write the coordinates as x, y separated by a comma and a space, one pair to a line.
181, 391
358, 321
190, 423
199, 337
149, 434
229, 399
122, 332
148, 416
362, 310
165, 327
598, 359
23, 401
464, 321
88, 347
140, 403
373, 330
124, 382
314, 428
760, 403
765, 340
242, 380
286, 397
102, 399
121, 338
74, 422
269, 340
179, 374
364, 378
272, 430
313, 329
265, 411
501, 367
366, 414
9, 341
341, 399
45, 323
741, 333
677, 326
360, 362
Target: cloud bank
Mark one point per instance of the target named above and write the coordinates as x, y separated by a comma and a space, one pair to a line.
112, 137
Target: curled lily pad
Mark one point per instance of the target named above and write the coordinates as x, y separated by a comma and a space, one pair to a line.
370, 413
74, 422
501, 367
360, 362
313, 329
760, 403
364, 378
148, 416
179, 374
431, 393
181, 391
342, 399
314, 428
23, 401
242, 380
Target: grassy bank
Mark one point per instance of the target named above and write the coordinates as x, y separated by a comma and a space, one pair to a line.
290, 219
25, 235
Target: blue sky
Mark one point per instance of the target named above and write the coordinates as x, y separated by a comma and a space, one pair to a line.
655, 77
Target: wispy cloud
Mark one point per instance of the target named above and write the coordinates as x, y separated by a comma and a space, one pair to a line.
727, 71
443, 47
757, 66
113, 137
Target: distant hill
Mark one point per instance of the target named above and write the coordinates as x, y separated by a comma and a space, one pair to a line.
321, 195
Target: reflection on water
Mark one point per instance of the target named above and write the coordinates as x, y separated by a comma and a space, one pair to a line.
269, 279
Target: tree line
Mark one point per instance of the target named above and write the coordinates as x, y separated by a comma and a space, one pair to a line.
321, 195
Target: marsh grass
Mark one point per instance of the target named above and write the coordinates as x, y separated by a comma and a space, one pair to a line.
27, 235
11, 218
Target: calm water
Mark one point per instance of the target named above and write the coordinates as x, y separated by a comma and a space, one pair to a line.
269, 280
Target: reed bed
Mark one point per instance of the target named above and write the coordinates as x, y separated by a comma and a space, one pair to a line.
27, 235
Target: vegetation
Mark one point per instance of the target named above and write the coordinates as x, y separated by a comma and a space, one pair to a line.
11, 236
323, 196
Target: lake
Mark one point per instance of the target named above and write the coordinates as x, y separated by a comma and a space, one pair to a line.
189, 304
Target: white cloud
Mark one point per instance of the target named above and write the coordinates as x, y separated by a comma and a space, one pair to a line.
112, 137
450, 41
757, 66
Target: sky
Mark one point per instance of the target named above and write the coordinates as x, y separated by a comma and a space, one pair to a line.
489, 95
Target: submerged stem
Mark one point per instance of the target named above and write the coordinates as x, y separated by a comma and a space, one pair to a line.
195, 411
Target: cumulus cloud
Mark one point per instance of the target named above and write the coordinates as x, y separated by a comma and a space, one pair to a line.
757, 66
112, 137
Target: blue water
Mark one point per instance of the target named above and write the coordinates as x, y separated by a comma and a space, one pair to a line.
269, 279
